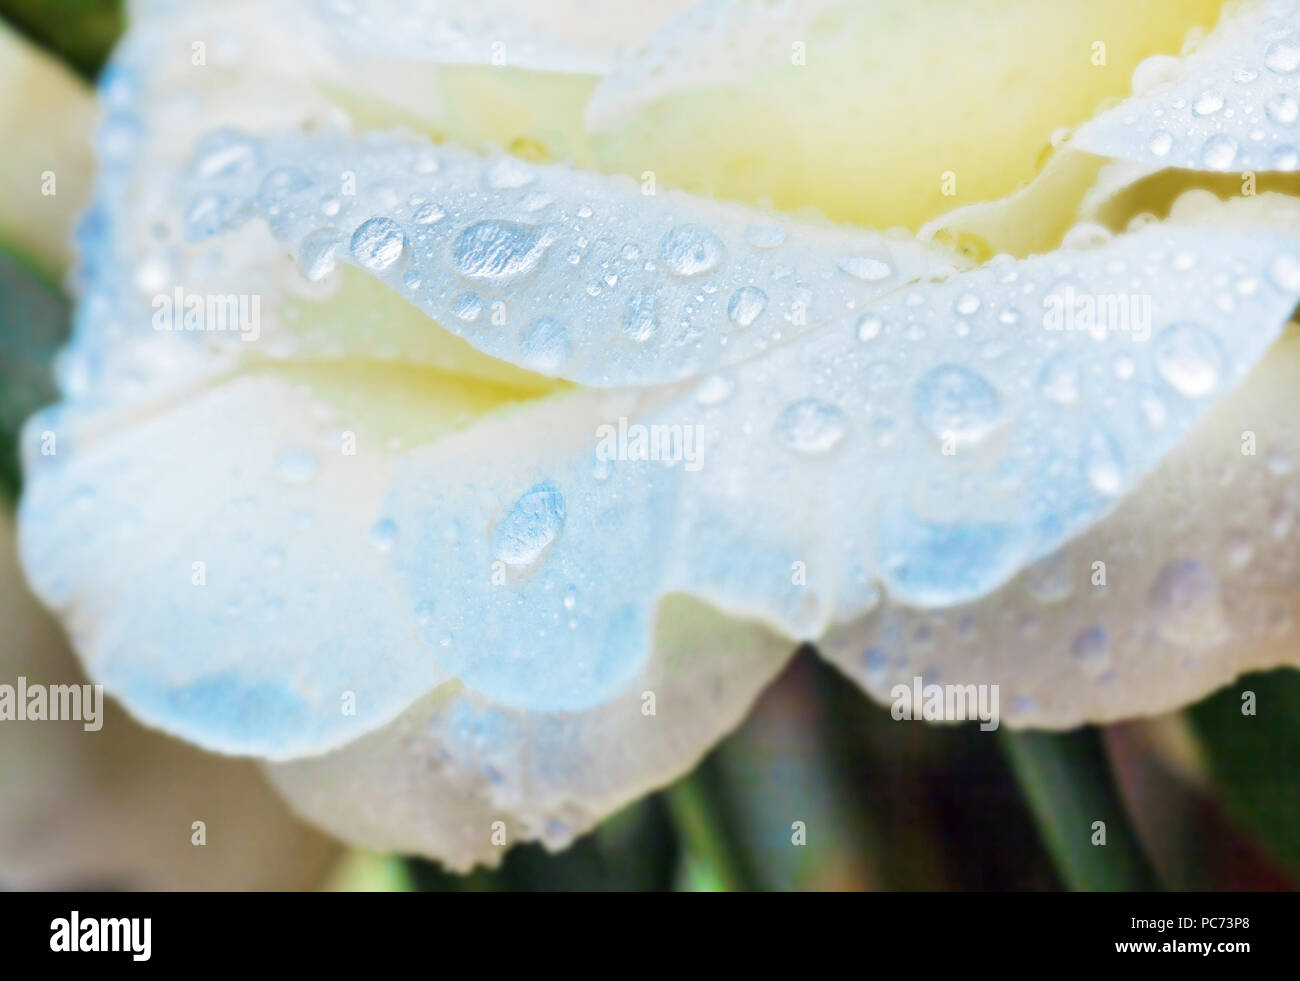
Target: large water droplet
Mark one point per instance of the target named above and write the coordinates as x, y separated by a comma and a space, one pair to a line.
1189, 359
498, 249
745, 305
532, 523
377, 243
810, 426
689, 250
954, 402
1283, 56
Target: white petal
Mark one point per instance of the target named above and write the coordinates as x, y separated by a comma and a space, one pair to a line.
1231, 105
114, 808
435, 781
216, 566
1191, 581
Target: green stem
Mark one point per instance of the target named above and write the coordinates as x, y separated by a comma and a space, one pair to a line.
1067, 781
699, 812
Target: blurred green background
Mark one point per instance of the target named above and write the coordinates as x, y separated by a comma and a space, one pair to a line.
1205, 799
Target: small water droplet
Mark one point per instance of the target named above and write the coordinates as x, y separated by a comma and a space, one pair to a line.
1189, 359
745, 305
869, 327
533, 522
868, 269
1219, 151
714, 390
467, 307
810, 426
1185, 599
967, 305
316, 254
689, 250
428, 214
545, 345
296, 465
1161, 143
954, 402
1104, 463
383, 534
1091, 650
1285, 273
1207, 103
1051, 578
765, 236
639, 319
1283, 109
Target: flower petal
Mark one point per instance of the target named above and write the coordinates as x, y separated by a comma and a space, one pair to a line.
114, 808
435, 781
634, 286
884, 113
197, 556
1231, 105
1191, 581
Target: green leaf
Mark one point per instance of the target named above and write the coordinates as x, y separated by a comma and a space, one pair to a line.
34, 322
1255, 759
81, 32
1067, 780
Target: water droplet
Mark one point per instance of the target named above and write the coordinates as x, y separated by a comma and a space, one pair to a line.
1161, 143
1051, 578
316, 254
866, 268
869, 327
1207, 103
280, 185
467, 307
571, 598
1103, 460
508, 173
1283, 56
377, 243
383, 534
689, 250
498, 249
224, 153
745, 305
428, 214
545, 345
1189, 359
296, 465
1239, 549
967, 305
810, 426
1185, 599
1283, 109
765, 236
1219, 151
1091, 649
1060, 380
714, 390
954, 402
533, 522
639, 319
1285, 272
